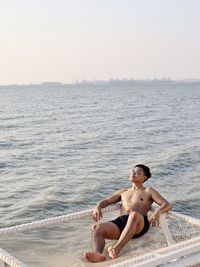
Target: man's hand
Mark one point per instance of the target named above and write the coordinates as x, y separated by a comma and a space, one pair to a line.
164, 207
154, 220
96, 214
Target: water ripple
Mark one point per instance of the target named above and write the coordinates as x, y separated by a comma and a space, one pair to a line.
62, 150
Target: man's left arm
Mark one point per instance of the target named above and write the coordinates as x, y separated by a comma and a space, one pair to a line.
164, 206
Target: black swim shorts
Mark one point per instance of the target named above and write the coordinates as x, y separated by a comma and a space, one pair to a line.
122, 220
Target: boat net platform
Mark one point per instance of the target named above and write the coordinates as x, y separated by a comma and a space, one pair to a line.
61, 242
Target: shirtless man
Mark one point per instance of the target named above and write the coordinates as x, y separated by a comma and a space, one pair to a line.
133, 222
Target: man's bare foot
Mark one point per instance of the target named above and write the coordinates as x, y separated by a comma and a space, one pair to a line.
113, 252
94, 257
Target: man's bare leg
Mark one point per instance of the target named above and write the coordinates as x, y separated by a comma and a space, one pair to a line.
100, 232
134, 225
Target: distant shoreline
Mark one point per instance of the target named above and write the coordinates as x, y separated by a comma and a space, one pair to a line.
112, 82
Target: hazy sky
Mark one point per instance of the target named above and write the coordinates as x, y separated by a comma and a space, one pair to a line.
68, 40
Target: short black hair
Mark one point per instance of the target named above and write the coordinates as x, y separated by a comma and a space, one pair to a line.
145, 169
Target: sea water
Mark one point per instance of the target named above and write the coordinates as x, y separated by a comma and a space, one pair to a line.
64, 149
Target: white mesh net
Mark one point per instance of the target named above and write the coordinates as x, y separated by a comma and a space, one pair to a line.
63, 244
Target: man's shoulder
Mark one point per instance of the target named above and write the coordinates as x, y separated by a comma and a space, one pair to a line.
150, 189
121, 191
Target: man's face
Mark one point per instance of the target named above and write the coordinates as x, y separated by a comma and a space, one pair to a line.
137, 174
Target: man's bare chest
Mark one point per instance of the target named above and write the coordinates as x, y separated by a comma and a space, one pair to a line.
135, 197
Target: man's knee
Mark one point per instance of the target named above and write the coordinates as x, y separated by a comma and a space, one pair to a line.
97, 228
136, 216
93, 227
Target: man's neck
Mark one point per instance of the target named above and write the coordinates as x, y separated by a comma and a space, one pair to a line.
136, 186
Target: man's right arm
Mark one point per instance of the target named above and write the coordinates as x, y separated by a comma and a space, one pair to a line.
114, 198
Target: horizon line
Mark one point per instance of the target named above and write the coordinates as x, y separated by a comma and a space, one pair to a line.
101, 81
